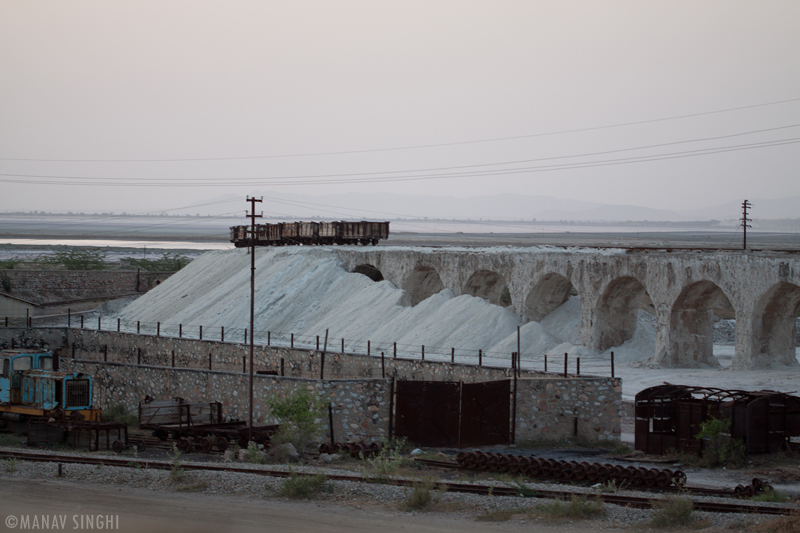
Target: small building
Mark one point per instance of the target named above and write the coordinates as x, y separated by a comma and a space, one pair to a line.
669, 417
16, 307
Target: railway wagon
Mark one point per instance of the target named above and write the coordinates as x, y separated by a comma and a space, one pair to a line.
311, 233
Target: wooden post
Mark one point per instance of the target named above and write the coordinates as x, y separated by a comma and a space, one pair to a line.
452, 355
395, 350
282, 366
269, 338
118, 325
514, 405
222, 334
209, 362
138, 326
158, 329
180, 331
423, 352
173, 359
565, 365
244, 364
69, 318
343, 345
612, 364
322, 360
369, 348
578, 367
138, 356
292, 343
480, 357
105, 353
545, 363
98, 323
330, 423
201, 332
383, 366
245, 335
81, 321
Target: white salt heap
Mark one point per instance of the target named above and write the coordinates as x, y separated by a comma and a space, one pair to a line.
306, 291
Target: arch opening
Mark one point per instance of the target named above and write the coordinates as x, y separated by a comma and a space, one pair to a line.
617, 315
692, 324
370, 271
547, 295
775, 326
490, 286
423, 283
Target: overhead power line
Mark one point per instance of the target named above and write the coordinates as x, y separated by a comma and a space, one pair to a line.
398, 148
373, 177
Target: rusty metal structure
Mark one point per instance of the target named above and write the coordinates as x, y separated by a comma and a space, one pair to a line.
669, 417
446, 413
296, 233
198, 426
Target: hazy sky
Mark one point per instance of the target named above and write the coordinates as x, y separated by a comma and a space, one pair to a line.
192, 80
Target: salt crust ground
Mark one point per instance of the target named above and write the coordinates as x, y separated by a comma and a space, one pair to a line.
306, 291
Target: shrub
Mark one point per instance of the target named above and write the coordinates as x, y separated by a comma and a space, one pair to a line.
254, 455
719, 447
304, 487
578, 508
672, 511
10, 465
385, 464
166, 263
770, 495
176, 471
420, 497
299, 415
76, 259
117, 413
5, 283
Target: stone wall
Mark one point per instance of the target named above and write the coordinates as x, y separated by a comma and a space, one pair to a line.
51, 286
230, 356
547, 404
548, 408
360, 407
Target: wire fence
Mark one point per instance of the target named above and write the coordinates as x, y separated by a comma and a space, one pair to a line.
566, 364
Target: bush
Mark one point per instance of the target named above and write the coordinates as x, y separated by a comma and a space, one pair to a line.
76, 259
254, 455
578, 508
719, 447
385, 464
118, 413
304, 487
5, 283
176, 471
420, 498
299, 415
770, 495
673, 511
166, 263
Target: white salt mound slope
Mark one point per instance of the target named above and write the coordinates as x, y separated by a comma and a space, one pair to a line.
306, 291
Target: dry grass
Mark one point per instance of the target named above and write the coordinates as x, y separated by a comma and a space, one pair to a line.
672, 511
784, 524
578, 508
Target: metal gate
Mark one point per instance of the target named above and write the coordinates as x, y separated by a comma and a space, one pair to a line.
452, 414
485, 413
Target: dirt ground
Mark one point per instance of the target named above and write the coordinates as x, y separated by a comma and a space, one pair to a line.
137, 510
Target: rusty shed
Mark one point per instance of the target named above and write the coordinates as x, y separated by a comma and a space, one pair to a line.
669, 416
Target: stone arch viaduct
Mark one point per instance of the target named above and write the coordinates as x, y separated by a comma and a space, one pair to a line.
681, 288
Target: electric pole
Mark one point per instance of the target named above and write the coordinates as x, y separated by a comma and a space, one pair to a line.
744, 220
253, 217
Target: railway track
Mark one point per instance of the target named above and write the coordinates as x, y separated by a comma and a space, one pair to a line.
637, 502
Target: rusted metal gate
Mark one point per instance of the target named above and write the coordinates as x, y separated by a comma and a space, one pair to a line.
485, 413
452, 414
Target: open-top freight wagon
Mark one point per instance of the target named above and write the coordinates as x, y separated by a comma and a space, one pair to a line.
323, 233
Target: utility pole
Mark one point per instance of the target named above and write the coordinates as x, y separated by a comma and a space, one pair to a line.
744, 220
253, 217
